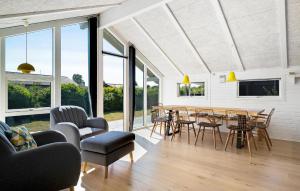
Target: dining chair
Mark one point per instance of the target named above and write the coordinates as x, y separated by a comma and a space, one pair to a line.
210, 122
263, 125
183, 119
244, 126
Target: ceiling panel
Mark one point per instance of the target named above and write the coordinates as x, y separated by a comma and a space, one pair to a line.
132, 34
293, 23
200, 22
255, 29
164, 33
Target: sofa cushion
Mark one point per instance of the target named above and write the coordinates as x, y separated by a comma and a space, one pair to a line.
20, 138
87, 132
107, 142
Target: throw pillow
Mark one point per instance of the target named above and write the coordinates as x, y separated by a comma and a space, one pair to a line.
20, 138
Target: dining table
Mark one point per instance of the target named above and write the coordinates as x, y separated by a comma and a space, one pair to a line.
217, 110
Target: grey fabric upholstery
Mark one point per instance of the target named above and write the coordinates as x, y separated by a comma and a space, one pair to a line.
107, 142
54, 165
107, 148
73, 122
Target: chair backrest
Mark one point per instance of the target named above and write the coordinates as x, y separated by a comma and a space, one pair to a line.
269, 117
73, 114
232, 115
182, 113
5, 145
242, 121
207, 114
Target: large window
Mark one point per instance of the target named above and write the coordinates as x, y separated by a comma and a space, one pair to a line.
269, 87
194, 89
152, 93
33, 123
113, 77
74, 66
139, 95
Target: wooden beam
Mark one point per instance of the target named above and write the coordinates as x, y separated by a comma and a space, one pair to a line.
128, 10
282, 11
185, 37
152, 41
228, 35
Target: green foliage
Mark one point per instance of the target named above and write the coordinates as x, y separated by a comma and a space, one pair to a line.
18, 96
78, 79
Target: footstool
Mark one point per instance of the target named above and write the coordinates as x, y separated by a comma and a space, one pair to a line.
106, 148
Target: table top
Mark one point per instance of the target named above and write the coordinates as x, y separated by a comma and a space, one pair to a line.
222, 110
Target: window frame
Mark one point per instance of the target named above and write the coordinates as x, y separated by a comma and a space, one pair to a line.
189, 90
281, 88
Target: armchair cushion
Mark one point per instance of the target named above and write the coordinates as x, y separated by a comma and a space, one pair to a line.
47, 137
87, 132
20, 138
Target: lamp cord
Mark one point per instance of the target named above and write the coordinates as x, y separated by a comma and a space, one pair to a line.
26, 42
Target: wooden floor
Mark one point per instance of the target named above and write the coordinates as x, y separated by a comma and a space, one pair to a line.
166, 165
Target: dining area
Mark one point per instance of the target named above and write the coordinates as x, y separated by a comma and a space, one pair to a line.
243, 128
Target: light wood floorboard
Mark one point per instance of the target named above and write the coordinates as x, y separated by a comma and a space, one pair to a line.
164, 165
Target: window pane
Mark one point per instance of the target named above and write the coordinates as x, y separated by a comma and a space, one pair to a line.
111, 44
39, 52
26, 94
152, 93
259, 88
183, 90
113, 91
197, 89
139, 95
74, 66
32, 122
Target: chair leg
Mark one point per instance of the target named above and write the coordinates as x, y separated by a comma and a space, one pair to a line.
188, 133
160, 128
180, 128
203, 134
131, 157
173, 130
165, 130
153, 128
227, 140
194, 129
232, 139
84, 167
266, 139
219, 132
106, 172
252, 137
214, 137
248, 142
72, 188
197, 135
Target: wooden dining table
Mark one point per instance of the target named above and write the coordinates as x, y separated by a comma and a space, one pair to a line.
217, 110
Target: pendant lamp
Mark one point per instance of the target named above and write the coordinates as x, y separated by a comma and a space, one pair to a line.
26, 68
231, 77
186, 80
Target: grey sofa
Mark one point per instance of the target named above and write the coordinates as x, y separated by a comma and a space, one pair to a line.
54, 165
72, 121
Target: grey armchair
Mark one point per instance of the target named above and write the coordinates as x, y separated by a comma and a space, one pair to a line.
53, 165
72, 121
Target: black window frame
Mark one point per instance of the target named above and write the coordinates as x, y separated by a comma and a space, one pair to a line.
259, 95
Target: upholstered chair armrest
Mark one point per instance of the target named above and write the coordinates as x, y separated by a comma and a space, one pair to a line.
70, 131
47, 137
52, 167
98, 122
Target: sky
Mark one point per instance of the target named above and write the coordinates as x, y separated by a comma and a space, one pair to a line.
74, 54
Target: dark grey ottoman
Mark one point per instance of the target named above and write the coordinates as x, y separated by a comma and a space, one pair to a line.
106, 148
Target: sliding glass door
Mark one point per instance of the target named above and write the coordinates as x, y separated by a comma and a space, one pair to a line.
139, 95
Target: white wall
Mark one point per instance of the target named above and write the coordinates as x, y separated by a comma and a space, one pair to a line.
285, 123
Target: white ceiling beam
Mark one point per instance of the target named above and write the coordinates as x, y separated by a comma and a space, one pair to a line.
185, 37
228, 35
128, 10
152, 41
41, 13
282, 11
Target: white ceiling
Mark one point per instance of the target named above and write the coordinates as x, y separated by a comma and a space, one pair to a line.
254, 26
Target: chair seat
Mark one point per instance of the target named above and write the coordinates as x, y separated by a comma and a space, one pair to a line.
185, 122
87, 132
207, 124
237, 128
107, 142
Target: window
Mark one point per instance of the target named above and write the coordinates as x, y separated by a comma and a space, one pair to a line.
139, 94
152, 93
268, 87
194, 89
74, 66
33, 123
28, 94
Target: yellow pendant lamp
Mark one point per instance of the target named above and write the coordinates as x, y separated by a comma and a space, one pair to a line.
186, 80
231, 77
26, 68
